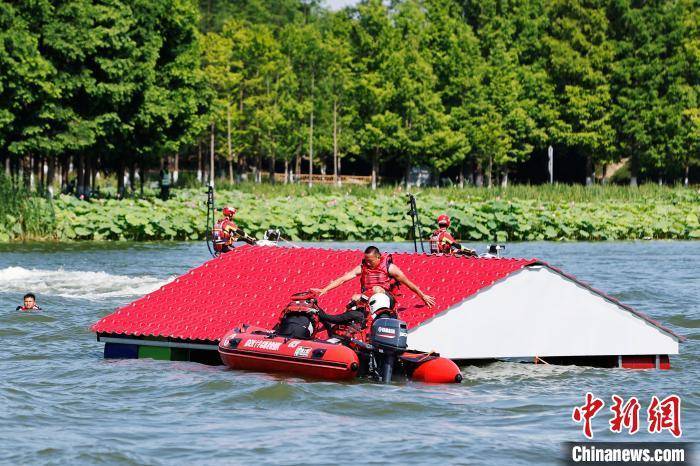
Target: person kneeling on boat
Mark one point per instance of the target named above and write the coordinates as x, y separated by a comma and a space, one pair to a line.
442, 242
378, 274
226, 232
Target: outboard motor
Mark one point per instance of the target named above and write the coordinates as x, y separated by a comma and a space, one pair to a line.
389, 338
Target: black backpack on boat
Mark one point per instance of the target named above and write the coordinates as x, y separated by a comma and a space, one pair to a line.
298, 319
295, 325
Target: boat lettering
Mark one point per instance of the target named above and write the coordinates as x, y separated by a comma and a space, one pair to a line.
263, 344
302, 351
386, 330
294, 343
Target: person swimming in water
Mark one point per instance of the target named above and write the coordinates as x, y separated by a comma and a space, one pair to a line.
29, 303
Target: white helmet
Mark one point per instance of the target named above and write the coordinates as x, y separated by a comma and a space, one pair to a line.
379, 301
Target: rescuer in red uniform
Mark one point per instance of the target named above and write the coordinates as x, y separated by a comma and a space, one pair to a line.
226, 232
378, 274
442, 242
222, 234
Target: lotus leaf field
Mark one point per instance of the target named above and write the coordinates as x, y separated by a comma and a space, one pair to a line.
381, 216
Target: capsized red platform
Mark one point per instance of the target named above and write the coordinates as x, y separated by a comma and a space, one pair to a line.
251, 285
486, 308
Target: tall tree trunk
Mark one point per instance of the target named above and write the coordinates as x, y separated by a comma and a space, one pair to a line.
177, 167
7, 166
199, 162
132, 176
272, 167
297, 162
634, 167
66, 171
489, 172
589, 170
25, 171
504, 178
42, 173
229, 154
120, 178
81, 174
686, 176
94, 172
286, 170
51, 174
335, 141
340, 160
258, 166
311, 135
478, 175
212, 156
35, 171
142, 171
89, 165
241, 162
340, 171
375, 168
461, 174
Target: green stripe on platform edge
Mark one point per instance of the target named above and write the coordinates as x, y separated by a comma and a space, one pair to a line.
179, 354
154, 352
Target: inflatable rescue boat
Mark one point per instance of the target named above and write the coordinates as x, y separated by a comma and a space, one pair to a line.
377, 350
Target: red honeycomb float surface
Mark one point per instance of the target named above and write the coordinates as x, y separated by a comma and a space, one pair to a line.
251, 285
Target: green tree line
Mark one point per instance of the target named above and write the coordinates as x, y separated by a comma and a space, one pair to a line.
470, 88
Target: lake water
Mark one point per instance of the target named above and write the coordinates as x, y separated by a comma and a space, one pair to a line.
62, 403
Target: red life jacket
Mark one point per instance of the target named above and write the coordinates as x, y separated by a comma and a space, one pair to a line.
441, 242
26, 309
378, 276
221, 233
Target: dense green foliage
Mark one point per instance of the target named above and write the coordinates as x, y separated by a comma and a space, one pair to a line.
474, 87
465, 87
101, 82
521, 213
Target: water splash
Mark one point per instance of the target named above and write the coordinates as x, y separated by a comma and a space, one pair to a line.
92, 286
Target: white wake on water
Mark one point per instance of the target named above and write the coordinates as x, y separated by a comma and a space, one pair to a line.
77, 284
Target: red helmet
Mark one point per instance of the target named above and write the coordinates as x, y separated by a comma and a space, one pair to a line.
443, 219
229, 211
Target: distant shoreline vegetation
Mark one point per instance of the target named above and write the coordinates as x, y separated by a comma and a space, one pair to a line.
518, 213
458, 91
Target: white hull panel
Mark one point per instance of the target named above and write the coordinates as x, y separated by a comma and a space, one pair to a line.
539, 312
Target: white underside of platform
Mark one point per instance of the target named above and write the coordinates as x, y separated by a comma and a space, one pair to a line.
539, 312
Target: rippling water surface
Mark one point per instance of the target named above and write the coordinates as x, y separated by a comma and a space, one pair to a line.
62, 403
